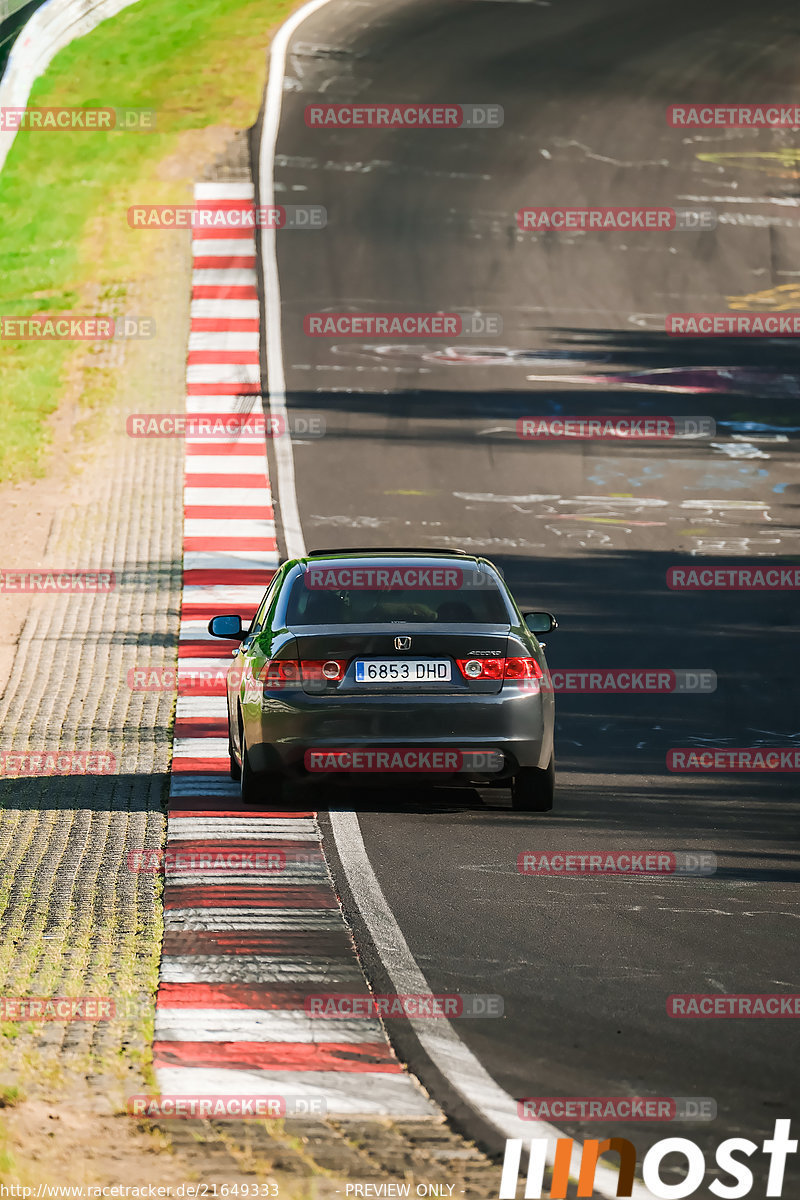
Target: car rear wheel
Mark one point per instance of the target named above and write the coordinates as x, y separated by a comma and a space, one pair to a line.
532, 788
235, 769
258, 787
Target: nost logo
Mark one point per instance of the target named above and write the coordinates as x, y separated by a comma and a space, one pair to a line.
570, 1162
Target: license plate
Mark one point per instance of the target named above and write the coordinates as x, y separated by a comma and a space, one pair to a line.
402, 670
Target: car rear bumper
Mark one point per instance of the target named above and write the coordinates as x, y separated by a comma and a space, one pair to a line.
514, 722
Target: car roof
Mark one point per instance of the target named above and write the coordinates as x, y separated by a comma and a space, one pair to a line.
388, 555
382, 551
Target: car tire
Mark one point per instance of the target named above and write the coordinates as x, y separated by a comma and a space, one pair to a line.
258, 787
235, 769
532, 788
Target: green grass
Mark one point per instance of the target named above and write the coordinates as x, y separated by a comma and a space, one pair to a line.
64, 240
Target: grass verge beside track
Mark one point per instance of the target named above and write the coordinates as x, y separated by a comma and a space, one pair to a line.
65, 245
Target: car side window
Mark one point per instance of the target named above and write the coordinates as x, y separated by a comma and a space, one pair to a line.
257, 624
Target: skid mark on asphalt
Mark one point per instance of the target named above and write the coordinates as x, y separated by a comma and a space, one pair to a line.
252, 927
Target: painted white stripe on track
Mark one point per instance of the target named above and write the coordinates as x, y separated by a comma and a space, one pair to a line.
258, 968
227, 497
220, 372
216, 786
203, 247
202, 706
262, 1025
239, 830
235, 526
187, 666
247, 402
294, 875
223, 277
221, 920
222, 464
224, 309
201, 747
230, 560
346, 1093
217, 190
224, 339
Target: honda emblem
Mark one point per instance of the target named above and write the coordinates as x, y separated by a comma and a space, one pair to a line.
402, 643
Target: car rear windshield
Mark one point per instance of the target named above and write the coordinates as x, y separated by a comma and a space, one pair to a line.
472, 598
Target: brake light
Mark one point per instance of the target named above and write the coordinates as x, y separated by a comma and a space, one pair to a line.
500, 668
329, 670
522, 668
275, 672
324, 670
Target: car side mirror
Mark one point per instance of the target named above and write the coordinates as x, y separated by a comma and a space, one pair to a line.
226, 627
540, 622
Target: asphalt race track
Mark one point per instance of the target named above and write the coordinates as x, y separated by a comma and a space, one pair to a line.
421, 449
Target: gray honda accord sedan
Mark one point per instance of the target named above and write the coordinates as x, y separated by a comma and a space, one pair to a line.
390, 665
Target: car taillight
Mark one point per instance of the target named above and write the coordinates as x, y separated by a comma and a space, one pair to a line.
522, 668
276, 672
500, 668
323, 670
329, 670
